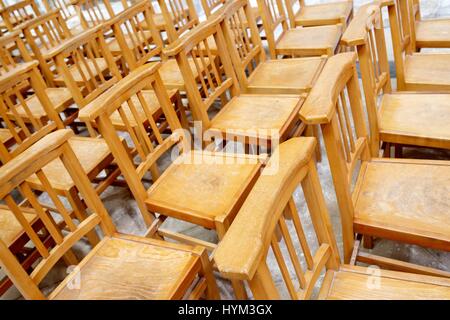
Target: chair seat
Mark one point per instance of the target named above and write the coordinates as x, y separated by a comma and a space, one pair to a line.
404, 200
203, 187
10, 228
93, 154
60, 98
416, 119
102, 66
152, 102
5, 136
324, 14
356, 283
433, 33
114, 46
290, 76
271, 114
311, 41
131, 269
427, 71
171, 73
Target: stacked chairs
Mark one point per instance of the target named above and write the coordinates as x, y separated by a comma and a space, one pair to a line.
148, 268
202, 188
262, 225
334, 12
252, 119
415, 71
404, 200
296, 42
405, 118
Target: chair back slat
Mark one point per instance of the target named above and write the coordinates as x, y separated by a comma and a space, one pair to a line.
138, 121
95, 12
19, 196
66, 8
276, 230
210, 6
180, 16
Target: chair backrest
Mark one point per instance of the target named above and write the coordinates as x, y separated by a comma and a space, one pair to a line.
19, 12
179, 16
86, 65
402, 22
207, 77
125, 111
93, 12
16, 179
210, 6
9, 56
43, 34
290, 6
366, 34
335, 103
65, 6
136, 34
243, 39
20, 128
269, 219
274, 16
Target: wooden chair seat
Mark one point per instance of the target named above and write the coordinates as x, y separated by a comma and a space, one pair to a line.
60, 98
416, 119
258, 112
114, 46
171, 73
433, 33
157, 268
290, 76
427, 71
390, 202
93, 154
11, 229
351, 283
152, 102
323, 14
101, 63
311, 41
204, 191
5, 136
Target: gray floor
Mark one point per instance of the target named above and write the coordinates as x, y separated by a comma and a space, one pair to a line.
127, 218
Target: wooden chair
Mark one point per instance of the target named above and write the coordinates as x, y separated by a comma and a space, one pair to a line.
415, 71
252, 119
68, 13
211, 6
27, 119
334, 12
85, 66
398, 199
144, 269
136, 38
199, 187
419, 119
44, 34
296, 42
12, 51
18, 13
263, 224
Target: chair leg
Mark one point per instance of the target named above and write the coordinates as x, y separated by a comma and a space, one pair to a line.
212, 292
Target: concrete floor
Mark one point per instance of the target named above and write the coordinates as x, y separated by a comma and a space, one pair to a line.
127, 218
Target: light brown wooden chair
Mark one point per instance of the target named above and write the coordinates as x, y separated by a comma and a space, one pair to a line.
119, 267
263, 223
418, 119
199, 187
68, 13
27, 119
398, 199
252, 119
18, 13
42, 34
296, 42
85, 65
415, 71
12, 51
310, 15
136, 37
